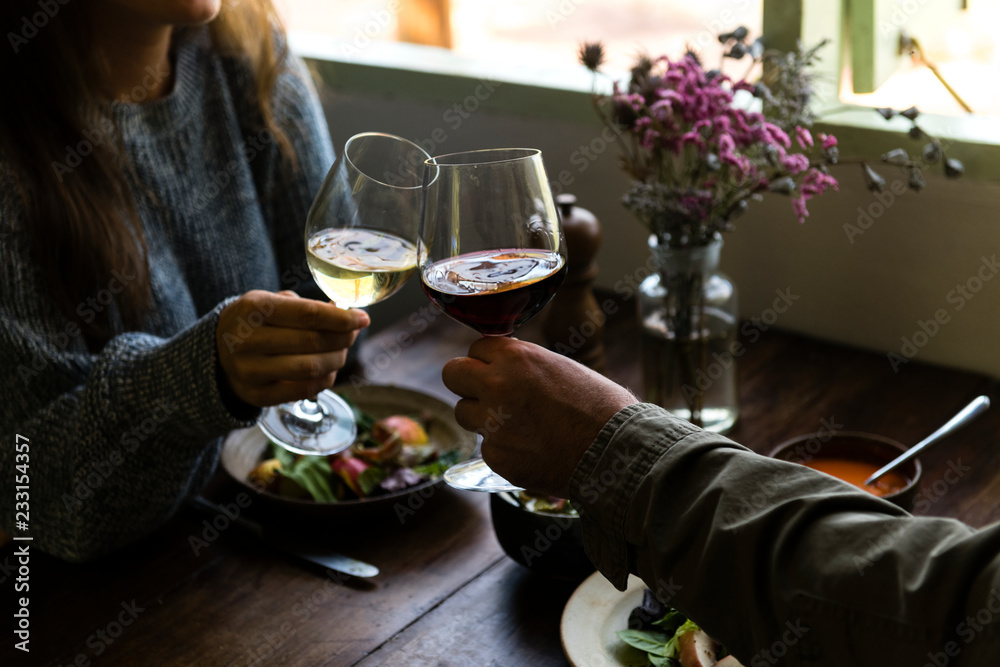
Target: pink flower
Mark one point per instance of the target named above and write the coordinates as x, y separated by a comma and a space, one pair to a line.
814, 183
696, 155
777, 135
728, 156
802, 135
694, 138
722, 125
799, 206
795, 163
650, 139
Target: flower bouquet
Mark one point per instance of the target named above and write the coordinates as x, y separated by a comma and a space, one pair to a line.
698, 146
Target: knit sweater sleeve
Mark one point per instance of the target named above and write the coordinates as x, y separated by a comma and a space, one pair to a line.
116, 439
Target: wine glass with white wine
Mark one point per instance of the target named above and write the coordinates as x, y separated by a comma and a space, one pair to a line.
361, 246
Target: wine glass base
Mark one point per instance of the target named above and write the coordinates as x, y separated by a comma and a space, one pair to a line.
335, 433
475, 475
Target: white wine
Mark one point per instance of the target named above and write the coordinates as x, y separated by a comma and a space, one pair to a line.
359, 267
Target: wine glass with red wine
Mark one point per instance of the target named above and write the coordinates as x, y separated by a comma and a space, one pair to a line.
493, 253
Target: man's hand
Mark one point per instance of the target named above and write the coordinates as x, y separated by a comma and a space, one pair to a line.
275, 348
537, 410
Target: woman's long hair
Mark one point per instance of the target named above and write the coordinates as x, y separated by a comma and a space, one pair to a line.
59, 141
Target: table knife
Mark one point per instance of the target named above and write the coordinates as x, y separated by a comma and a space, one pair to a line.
311, 553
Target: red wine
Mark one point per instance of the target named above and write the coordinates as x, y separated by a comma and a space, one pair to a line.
494, 291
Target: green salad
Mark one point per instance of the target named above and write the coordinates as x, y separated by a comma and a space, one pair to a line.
389, 455
536, 502
670, 639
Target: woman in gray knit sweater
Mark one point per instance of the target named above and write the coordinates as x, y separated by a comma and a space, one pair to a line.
156, 168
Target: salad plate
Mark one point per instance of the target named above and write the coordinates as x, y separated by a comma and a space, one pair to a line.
593, 615
244, 449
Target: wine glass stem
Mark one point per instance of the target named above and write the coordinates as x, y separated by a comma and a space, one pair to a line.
310, 406
306, 417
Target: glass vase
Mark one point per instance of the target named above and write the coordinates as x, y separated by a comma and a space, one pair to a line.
689, 318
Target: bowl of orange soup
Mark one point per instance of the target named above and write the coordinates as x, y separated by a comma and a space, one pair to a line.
854, 457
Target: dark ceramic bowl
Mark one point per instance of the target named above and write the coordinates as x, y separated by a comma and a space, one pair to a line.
868, 448
544, 542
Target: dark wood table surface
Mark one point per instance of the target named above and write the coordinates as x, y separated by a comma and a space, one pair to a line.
447, 594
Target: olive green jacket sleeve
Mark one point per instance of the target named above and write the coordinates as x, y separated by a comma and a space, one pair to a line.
783, 564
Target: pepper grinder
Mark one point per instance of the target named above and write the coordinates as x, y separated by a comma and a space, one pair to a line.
574, 323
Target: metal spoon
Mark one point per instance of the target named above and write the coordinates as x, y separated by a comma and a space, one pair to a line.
967, 414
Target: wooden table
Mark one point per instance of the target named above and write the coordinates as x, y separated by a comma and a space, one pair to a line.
447, 594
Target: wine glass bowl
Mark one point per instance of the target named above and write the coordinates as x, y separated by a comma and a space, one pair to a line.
492, 253
362, 230
362, 239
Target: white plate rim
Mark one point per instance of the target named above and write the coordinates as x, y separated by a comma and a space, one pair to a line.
593, 615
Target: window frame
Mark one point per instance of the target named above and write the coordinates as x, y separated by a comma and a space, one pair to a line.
437, 75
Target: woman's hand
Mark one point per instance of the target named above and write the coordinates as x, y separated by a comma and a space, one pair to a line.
279, 347
538, 411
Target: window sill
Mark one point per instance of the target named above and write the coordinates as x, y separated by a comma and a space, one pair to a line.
435, 75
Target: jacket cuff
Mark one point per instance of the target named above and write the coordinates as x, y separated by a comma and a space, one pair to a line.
604, 482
